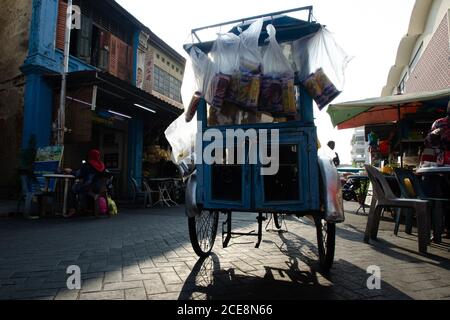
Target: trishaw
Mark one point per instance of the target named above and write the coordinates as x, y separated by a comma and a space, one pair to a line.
305, 185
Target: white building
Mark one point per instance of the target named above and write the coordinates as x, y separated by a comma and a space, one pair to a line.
360, 148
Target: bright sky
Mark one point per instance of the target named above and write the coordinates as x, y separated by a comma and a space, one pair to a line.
368, 30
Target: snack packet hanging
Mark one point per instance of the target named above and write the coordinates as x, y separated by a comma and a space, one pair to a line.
201, 66
277, 88
244, 88
225, 63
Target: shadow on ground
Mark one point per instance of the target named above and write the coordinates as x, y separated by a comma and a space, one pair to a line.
300, 279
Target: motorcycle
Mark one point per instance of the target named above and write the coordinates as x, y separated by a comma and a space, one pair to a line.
349, 190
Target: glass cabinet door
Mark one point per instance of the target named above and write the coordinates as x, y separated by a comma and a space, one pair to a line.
288, 188
227, 185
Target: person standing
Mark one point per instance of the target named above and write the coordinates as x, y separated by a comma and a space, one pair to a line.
336, 160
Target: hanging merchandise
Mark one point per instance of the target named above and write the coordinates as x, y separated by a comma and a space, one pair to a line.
248, 80
320, 51
225, 63
201, 65
250, 59
181, 136
320, 88
277, 88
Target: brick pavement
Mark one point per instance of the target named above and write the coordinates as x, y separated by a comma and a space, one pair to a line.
146, 254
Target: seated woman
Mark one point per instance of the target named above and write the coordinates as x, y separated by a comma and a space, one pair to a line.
91, 184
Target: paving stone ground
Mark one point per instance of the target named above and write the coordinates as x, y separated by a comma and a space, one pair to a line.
146, 254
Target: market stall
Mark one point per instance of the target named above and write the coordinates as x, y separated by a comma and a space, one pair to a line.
396, 126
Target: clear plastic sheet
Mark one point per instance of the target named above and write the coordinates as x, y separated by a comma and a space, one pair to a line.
277, 87
225, 57
320, 50
202, 69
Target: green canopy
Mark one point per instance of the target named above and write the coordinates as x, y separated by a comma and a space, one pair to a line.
384, 109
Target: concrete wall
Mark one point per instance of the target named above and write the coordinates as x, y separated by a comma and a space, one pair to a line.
14, 31
168, 65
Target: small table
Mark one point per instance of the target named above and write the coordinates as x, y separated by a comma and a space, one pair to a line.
163, 190
434, 170
66, 179
438, 212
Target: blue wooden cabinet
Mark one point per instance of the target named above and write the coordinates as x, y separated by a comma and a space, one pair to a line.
242, 187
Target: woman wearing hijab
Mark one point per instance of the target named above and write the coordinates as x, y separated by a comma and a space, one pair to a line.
90, 180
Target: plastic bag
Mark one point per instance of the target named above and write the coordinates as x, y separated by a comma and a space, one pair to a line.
112, 206
181, 136
202, 68
225, 63
320, 50
277, 87
245, 88
102, 205
250, 58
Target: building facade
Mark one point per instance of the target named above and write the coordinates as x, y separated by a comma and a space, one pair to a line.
109, 103
423, 59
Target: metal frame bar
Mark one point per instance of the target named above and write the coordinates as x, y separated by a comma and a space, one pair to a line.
309, 8
228, 223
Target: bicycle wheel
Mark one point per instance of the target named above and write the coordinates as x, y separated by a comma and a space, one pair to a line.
326, 239
202, 232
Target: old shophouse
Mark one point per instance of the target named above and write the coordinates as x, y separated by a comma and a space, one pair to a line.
123, 86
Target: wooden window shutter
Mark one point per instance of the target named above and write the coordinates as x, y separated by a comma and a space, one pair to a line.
123, 60
113, 56
61, 25
130, 62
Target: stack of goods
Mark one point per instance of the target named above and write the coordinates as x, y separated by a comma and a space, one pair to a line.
246, 83
239, 73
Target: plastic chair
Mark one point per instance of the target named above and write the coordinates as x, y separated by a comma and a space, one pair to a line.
411, 190
138, 193
385, 198
31, 189
415, 191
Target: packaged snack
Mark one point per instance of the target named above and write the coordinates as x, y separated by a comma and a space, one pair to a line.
289, 103
218, 89
271, 95
224, 55
248, 91
320, 88
193, 105
233, 88
277, 85
201, 66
